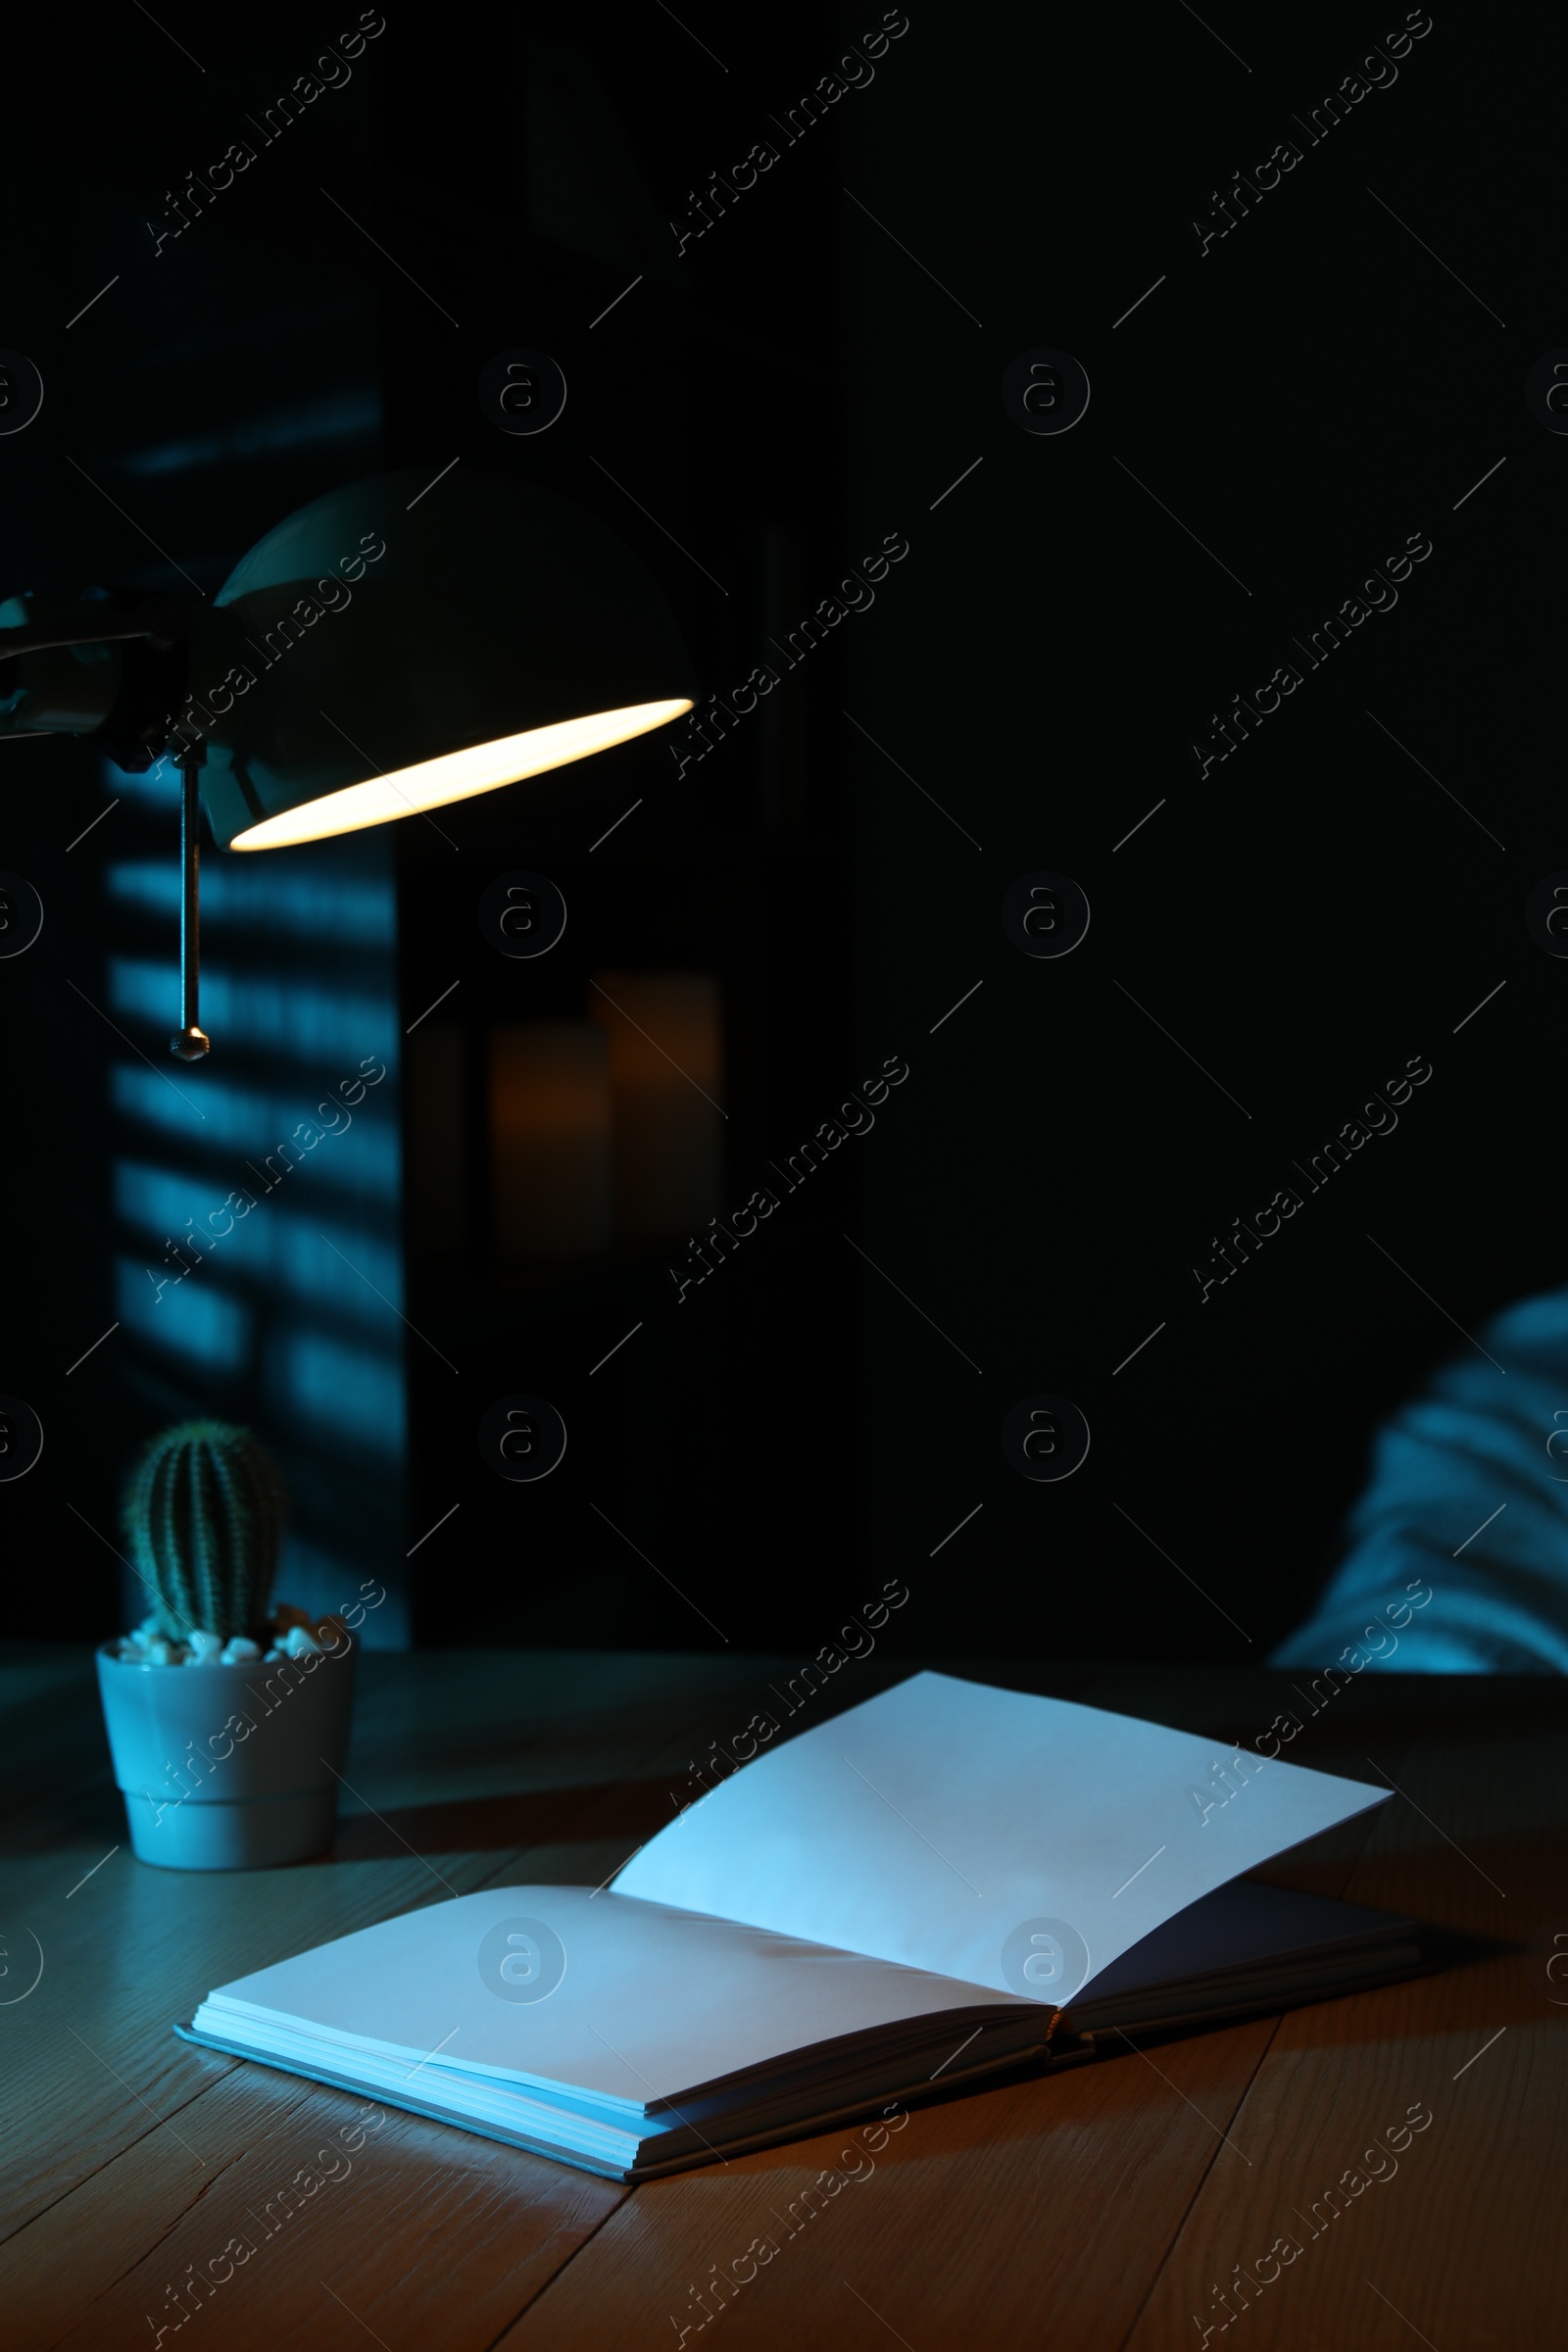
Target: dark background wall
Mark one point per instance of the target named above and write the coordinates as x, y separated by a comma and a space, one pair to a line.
755, 412
1301, 922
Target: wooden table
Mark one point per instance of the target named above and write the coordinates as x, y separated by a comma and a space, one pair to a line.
1099, 2208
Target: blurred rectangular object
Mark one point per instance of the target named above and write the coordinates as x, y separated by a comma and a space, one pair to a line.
550, 1128
666, 1075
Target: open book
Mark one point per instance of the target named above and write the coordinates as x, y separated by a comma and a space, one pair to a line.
942, 1882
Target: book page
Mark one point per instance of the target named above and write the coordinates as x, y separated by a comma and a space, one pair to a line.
623, 1999
1009, 1840
1244, 1926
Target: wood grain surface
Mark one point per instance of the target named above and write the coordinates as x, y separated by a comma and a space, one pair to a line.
1133, 2203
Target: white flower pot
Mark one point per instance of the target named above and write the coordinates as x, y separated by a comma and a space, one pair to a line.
229, 1767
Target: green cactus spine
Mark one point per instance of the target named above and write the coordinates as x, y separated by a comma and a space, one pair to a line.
203, 1517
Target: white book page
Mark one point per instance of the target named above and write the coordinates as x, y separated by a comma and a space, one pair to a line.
1009, 1840
643, 2002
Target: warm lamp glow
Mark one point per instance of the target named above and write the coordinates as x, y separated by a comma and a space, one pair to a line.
667, 1079
456, 777
550, 1128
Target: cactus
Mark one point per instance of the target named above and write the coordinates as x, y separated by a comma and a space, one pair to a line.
202, 1519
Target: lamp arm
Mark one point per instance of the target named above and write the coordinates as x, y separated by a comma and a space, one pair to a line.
87, 667
48, 638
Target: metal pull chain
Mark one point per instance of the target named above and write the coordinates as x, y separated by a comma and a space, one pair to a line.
191, 1043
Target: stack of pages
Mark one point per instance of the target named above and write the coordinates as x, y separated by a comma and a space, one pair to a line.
944, 1881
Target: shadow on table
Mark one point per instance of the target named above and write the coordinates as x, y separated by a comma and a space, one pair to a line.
632, 1811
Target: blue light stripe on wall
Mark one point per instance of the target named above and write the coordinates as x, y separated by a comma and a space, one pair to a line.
321, 1384
289, 1018
259, 894
361, 1157
203, 1323
290, 1318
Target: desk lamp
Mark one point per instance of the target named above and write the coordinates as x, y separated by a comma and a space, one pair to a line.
388, 648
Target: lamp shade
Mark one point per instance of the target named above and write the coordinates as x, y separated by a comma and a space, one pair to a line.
400, 644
